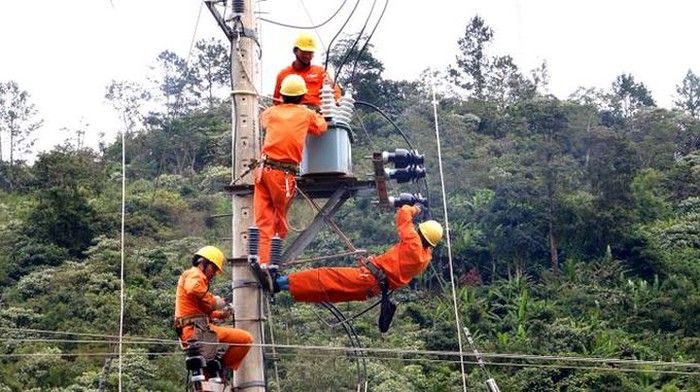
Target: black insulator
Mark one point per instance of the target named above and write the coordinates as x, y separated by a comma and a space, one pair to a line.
408, 199
253, 240
413, 172
194, 361
276, 250
238, 6
402, 158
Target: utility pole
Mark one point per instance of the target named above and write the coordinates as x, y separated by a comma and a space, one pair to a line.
248, 297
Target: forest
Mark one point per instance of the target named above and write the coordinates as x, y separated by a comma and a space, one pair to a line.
574, 227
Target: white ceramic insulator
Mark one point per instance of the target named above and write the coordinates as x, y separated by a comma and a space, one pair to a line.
327, 100
346, 107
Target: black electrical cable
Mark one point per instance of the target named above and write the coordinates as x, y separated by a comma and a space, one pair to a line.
354, 340
305, 27
359, 36
354, 65
330, 45
405, 138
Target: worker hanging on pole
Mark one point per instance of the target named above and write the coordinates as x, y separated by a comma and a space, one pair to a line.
196, 308
286, 127
376, 275
313, 75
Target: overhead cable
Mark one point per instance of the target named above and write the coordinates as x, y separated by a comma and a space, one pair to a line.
330, 45
343, 351
306, 27
354, 44
359, 54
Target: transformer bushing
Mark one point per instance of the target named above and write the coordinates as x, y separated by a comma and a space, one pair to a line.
328, 106
345, 108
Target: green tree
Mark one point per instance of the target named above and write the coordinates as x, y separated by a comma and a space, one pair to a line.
472, 61
128, 98
628, 96
18, 121
211, 69
688, 91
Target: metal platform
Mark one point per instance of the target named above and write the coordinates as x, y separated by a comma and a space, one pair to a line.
318, 186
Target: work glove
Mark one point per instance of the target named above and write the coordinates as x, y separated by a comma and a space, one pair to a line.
227, 311
220, 302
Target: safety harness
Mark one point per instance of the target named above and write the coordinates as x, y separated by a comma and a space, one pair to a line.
287, 167
387, 307
202, 333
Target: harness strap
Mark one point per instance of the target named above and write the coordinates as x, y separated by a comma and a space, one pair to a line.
281, 166
378, 274
181, 322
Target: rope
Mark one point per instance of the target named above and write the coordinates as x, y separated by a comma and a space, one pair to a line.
447, 236
329, 221
121, 265
320, 258
272, 341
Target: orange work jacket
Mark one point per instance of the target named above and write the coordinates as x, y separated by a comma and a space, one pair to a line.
313, 76
407, 259
286, 128
192, 296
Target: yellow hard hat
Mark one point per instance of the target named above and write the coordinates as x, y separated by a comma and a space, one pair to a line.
432, 231
213, 254
293, 86
305, 42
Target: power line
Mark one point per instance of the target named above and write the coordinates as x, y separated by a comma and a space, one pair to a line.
379, 350
359, 36
354, 65
353, 350
330, 45
306, 27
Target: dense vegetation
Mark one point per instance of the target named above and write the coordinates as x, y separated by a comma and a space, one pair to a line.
575, 227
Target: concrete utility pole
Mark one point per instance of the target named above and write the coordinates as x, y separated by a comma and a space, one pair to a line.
247, 295
238, 24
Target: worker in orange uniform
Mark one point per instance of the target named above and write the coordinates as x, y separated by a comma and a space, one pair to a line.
401, 263
195, 307
286, 128
313, 75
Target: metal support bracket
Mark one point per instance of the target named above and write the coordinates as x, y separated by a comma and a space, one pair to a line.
300, 243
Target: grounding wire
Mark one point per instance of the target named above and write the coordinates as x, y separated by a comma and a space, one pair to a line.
121, 264
447, 237
354, 44
291, 26
354, 65
330, 45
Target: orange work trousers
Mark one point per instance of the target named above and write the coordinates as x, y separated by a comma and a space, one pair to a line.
273, 193
340, 284
239, 339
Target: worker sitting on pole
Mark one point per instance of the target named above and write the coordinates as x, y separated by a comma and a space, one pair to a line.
389, 271
196, 307
313, 75
286, 127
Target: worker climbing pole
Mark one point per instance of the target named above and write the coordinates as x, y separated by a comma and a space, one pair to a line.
238, 25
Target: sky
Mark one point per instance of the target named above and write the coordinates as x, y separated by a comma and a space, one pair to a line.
65, 53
